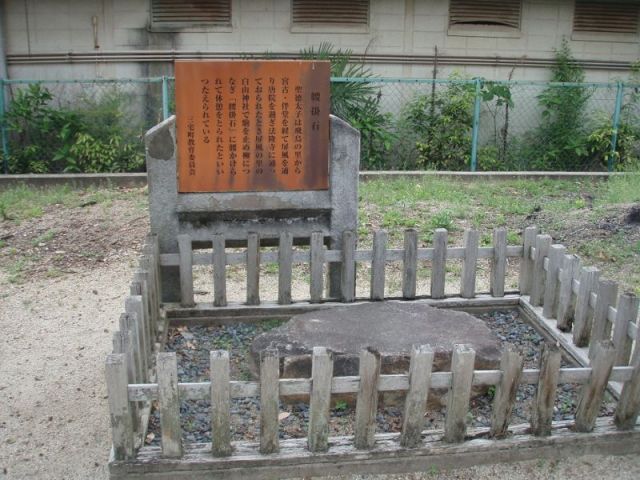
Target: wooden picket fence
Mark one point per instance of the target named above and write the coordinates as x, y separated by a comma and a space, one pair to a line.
584, 313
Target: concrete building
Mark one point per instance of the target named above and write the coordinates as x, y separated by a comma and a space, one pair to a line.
55, 39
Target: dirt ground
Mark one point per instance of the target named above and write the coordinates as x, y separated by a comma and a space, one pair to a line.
56, 323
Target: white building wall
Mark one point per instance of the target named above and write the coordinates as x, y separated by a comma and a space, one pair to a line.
397, 27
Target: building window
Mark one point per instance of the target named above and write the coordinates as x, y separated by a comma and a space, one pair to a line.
347, 13
605, 17
194, 13
485, 13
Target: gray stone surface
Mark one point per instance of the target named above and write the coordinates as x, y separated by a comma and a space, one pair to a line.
389, 327
202, 215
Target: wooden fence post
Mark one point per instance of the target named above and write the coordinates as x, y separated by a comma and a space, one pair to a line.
186, 270
119, 407
582, 320
219, 271
253, 269
592, 391
269, 398
627, 311
543, 242
378, 263
498, 262
439, 263
526, 263
348, 273
550, 301
505, 397
316, 267
462, 363
570, 268
321, 376
285, 257
133, 306
416, 401
601, 329
220, 403
469, 264
129, 323
169, 404
410, 264
367, 401
542, 408
628, 407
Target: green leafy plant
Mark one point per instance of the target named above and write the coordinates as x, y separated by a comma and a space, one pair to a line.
340, 406
561, 141
97, 136
443, 124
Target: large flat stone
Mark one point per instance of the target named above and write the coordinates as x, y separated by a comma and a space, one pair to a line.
390, 327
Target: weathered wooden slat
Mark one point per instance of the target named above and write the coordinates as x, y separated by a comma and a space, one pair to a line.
628, 408
550, 301
439, 263
498, 262
543, 242
410, 264
592, 392
269, 396
133, 306
570, 268
129, 323
378, 262
317, 267
348, 271
186, 270
469, 264
462, 362
504, 400
169, 404
542, 409
220, 403
627, 312
253, 269
386, 383
367, 400
321, 375
285, 256
219, 271
526, 263
601, 329
582, 320
119, 407
389, 456
393, 255
416, 402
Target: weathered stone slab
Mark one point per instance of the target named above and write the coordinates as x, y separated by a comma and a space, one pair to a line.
391, 328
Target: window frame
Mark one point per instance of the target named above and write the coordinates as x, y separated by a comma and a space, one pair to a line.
328, 27
194, 27
490, 31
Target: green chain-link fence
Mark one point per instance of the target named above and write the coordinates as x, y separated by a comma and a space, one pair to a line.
454, 124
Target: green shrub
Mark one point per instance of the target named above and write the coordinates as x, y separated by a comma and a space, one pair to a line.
98, 136
443, 124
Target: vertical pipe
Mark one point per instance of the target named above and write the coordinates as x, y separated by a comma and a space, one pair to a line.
476, 125
616, 124
165, 98
3, 131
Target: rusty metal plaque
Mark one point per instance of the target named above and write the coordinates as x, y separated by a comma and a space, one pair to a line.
249, 126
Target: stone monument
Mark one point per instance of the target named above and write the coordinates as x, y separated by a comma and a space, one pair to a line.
252, 148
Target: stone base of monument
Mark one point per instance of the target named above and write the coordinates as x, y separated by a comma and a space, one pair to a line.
391, 328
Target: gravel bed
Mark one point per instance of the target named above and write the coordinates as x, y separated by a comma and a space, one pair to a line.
192, 346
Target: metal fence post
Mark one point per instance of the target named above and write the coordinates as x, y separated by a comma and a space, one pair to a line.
3, 132
476, 125
165, 98
616, 124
